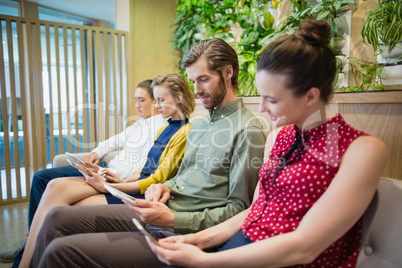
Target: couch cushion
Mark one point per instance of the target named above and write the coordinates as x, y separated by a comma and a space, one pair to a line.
382, 228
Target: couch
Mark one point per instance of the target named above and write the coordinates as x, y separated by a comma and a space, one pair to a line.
382, 223
382, 228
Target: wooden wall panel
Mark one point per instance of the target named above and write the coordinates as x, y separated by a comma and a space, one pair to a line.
149, 49
384, 122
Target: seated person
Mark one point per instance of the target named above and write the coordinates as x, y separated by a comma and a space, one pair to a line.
320, 176
136, 140
174, 100
215, 181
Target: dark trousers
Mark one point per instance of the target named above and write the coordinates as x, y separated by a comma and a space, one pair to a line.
94, 236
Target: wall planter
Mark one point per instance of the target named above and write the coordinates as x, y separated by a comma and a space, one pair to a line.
394, 54
341, 80
392, 75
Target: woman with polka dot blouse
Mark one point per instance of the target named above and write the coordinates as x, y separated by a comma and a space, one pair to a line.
319, 176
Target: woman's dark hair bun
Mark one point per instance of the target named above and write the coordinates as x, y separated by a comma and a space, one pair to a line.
316, 32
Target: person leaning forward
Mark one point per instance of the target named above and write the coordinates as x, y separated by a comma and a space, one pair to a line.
216, 180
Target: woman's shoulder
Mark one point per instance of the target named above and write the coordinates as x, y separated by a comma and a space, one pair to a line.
370, 145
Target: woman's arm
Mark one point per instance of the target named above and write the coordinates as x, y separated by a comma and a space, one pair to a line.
338, 209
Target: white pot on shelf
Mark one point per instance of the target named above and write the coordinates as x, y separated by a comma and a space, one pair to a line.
342, 23
395, 53
340, 43
341, 80
392, 72
392, 75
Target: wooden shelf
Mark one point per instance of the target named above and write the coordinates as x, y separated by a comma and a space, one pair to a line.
391, 96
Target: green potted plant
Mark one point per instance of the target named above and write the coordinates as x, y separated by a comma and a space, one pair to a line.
383, 26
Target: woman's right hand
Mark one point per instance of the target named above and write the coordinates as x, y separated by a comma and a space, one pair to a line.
95, 181
92, 158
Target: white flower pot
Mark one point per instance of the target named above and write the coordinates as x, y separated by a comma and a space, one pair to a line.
392, 72
395, 53
342, 23
340, 43
392, 75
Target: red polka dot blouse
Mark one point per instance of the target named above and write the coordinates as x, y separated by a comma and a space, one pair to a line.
282, 203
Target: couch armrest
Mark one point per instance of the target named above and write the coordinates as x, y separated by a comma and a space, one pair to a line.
382, 237
60, 159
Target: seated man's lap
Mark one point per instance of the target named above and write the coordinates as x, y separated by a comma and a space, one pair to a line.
104, 249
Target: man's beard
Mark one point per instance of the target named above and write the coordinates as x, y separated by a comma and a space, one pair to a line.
217, 95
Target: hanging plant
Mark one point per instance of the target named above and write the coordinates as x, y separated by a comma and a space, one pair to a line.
383, 25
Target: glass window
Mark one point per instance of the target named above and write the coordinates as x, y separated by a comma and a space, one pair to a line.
58, 16
9, 8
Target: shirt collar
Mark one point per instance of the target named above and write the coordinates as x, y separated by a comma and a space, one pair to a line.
178, 122
329, 127
226, 110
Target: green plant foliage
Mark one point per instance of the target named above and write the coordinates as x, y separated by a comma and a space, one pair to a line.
242, 23
370, 77
247, 25
318, 10
383, 25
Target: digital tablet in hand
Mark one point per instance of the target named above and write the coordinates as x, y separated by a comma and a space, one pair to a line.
120, 194
77, 166
76, 158
144, 232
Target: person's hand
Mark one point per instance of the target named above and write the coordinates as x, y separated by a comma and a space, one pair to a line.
157, 192
93, 167
110, 176
188, 239
95, 180
155, 213
92, 158
178, 254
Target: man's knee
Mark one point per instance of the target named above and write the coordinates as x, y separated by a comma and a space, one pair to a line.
53, 253
55, 214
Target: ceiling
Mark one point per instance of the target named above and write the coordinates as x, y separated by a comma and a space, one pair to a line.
94, 9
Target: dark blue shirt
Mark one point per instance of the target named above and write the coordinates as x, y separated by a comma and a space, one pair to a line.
159, 146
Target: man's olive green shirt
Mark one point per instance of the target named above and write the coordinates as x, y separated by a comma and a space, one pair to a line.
219, 171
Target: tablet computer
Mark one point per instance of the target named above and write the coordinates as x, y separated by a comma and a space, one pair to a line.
120, 194
76, 158
144, 232
77, 166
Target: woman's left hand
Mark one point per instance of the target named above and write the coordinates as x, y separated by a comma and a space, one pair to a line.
110, 176
95, 181
179, 254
